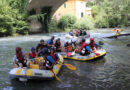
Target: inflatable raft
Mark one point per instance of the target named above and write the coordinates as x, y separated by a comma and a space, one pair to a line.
92, 56
24, 74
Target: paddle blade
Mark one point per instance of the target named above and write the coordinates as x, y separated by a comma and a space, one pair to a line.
58, 78
71, 67
97, 54
68, 53
73, 53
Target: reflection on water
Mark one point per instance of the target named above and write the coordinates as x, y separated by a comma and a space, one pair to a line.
111, 72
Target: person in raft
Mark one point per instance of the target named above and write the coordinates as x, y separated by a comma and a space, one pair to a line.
54, 54
85, 48
19, 60
50, 42
68, 46
93, 44
58, 45
71, 33
40, 46
32, 54
49, 61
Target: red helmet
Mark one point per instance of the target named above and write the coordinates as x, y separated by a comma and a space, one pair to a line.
91, 39
18, 49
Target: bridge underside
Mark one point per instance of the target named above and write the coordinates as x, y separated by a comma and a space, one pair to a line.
38, 4
43, 6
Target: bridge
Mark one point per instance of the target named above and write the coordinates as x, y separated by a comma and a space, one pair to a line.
43, 6
38, 4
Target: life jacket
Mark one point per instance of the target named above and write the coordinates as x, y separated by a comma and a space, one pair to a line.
83, 44
70, 48
92, 45
54, 56
41, 47
33, 55
66, 44
77, 32
20, 57
57, 44
47, 62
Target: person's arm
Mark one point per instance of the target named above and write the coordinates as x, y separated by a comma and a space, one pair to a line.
96, 45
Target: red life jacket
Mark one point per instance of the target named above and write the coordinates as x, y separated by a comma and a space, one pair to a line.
20, 57
41, 47
33, 55
83, 44
58, 44
54, 56
92, 45
66, 44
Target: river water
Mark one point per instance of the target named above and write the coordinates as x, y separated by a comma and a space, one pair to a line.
109, 73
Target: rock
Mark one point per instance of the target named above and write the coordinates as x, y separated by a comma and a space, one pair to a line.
101, 43
128, 45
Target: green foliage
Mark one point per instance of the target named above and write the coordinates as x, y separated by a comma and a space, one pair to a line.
85, 23
36, 17
53, 26
110, 13
13, 17
66, 21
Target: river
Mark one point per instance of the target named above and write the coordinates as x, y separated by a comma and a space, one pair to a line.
109, 73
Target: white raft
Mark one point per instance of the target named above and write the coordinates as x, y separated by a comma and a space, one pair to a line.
35, 73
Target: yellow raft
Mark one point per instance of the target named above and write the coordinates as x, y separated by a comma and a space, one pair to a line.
35, 73
91, 56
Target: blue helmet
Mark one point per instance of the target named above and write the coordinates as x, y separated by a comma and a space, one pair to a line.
83, 39
33, 49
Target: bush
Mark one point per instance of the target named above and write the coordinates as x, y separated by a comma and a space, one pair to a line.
67, 21
85, 23
6, 25
53, 26
13, 18
101, 21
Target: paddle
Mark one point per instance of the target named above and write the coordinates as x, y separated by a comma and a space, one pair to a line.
73, 53
69, 66
56, 77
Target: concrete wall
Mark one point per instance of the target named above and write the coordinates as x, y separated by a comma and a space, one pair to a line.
80, 8
68, 7
37, 5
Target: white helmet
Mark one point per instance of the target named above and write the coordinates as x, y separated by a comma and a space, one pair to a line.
87, 41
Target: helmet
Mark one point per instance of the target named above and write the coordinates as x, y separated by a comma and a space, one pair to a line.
91, 39
58, 39
83, 39
87, 42
18, 49
52, 37
41, 40
33, 49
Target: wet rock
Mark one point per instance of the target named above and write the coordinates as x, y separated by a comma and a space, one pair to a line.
128, 45
101, 43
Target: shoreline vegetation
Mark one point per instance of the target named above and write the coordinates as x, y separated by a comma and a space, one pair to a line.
15, 19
